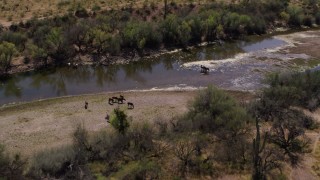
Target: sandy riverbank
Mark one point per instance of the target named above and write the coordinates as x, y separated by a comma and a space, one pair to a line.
30, 127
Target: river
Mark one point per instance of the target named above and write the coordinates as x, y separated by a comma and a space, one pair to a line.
236, 65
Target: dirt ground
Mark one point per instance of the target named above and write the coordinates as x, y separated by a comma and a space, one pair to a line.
306, 43
30, 127
35, 126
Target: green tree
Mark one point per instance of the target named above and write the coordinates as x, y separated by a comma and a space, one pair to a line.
140, 35
18, 39
38, 54
169, 29
7, 52
56, 45
211, 25
214, 111
184, 31
101, 40
119, 121
296, 15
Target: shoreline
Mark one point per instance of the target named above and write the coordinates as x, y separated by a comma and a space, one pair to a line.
20, 67
31, 127
161, 90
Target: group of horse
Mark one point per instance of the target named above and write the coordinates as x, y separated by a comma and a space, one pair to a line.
120, 100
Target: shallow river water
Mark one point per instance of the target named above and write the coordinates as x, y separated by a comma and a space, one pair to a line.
238, 65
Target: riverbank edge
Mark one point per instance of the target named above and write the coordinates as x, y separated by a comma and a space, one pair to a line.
149, 53
54, 100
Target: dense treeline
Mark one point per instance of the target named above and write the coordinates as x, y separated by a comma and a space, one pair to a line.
127, 32
214, 138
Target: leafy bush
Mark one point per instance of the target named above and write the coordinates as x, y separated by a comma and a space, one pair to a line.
184, 33
52, 162
82, 146
169, 29
300, 89
119, 121
287, 91
308, 20
138, 170
81, 12
317, 18
18, 39
296, 15
10, 168
216, 112
236, 24
140, 35
257, 26
7, 52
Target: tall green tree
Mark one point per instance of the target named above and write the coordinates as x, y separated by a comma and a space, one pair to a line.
170, 29
7, 52
184, 33
56, 45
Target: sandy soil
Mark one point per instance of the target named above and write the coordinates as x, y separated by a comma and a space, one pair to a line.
28, 128
33, 126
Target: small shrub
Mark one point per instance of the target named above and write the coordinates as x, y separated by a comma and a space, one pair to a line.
53, 162
10, 168
119, 121
296, 15
308, 21
81, 13
138, 170
213, 110
284, 16
317, 18
96, 8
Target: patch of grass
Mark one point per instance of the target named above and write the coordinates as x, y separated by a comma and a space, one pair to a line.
313, 62
299, 62
97, 169
51, 161
305, 62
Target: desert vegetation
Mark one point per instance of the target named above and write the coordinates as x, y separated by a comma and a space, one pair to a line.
218, 135
129, 32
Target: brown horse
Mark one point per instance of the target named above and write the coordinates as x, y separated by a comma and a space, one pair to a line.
204, 69
110, 101
121, 99
130, 105
115, 99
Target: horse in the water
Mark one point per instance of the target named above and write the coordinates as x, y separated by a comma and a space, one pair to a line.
204, 69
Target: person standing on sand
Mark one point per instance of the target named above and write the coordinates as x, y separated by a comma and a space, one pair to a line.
86, 105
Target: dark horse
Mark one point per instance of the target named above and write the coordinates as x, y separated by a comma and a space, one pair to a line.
204, 69
115, 99
121, 99
130, 105
110, 101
